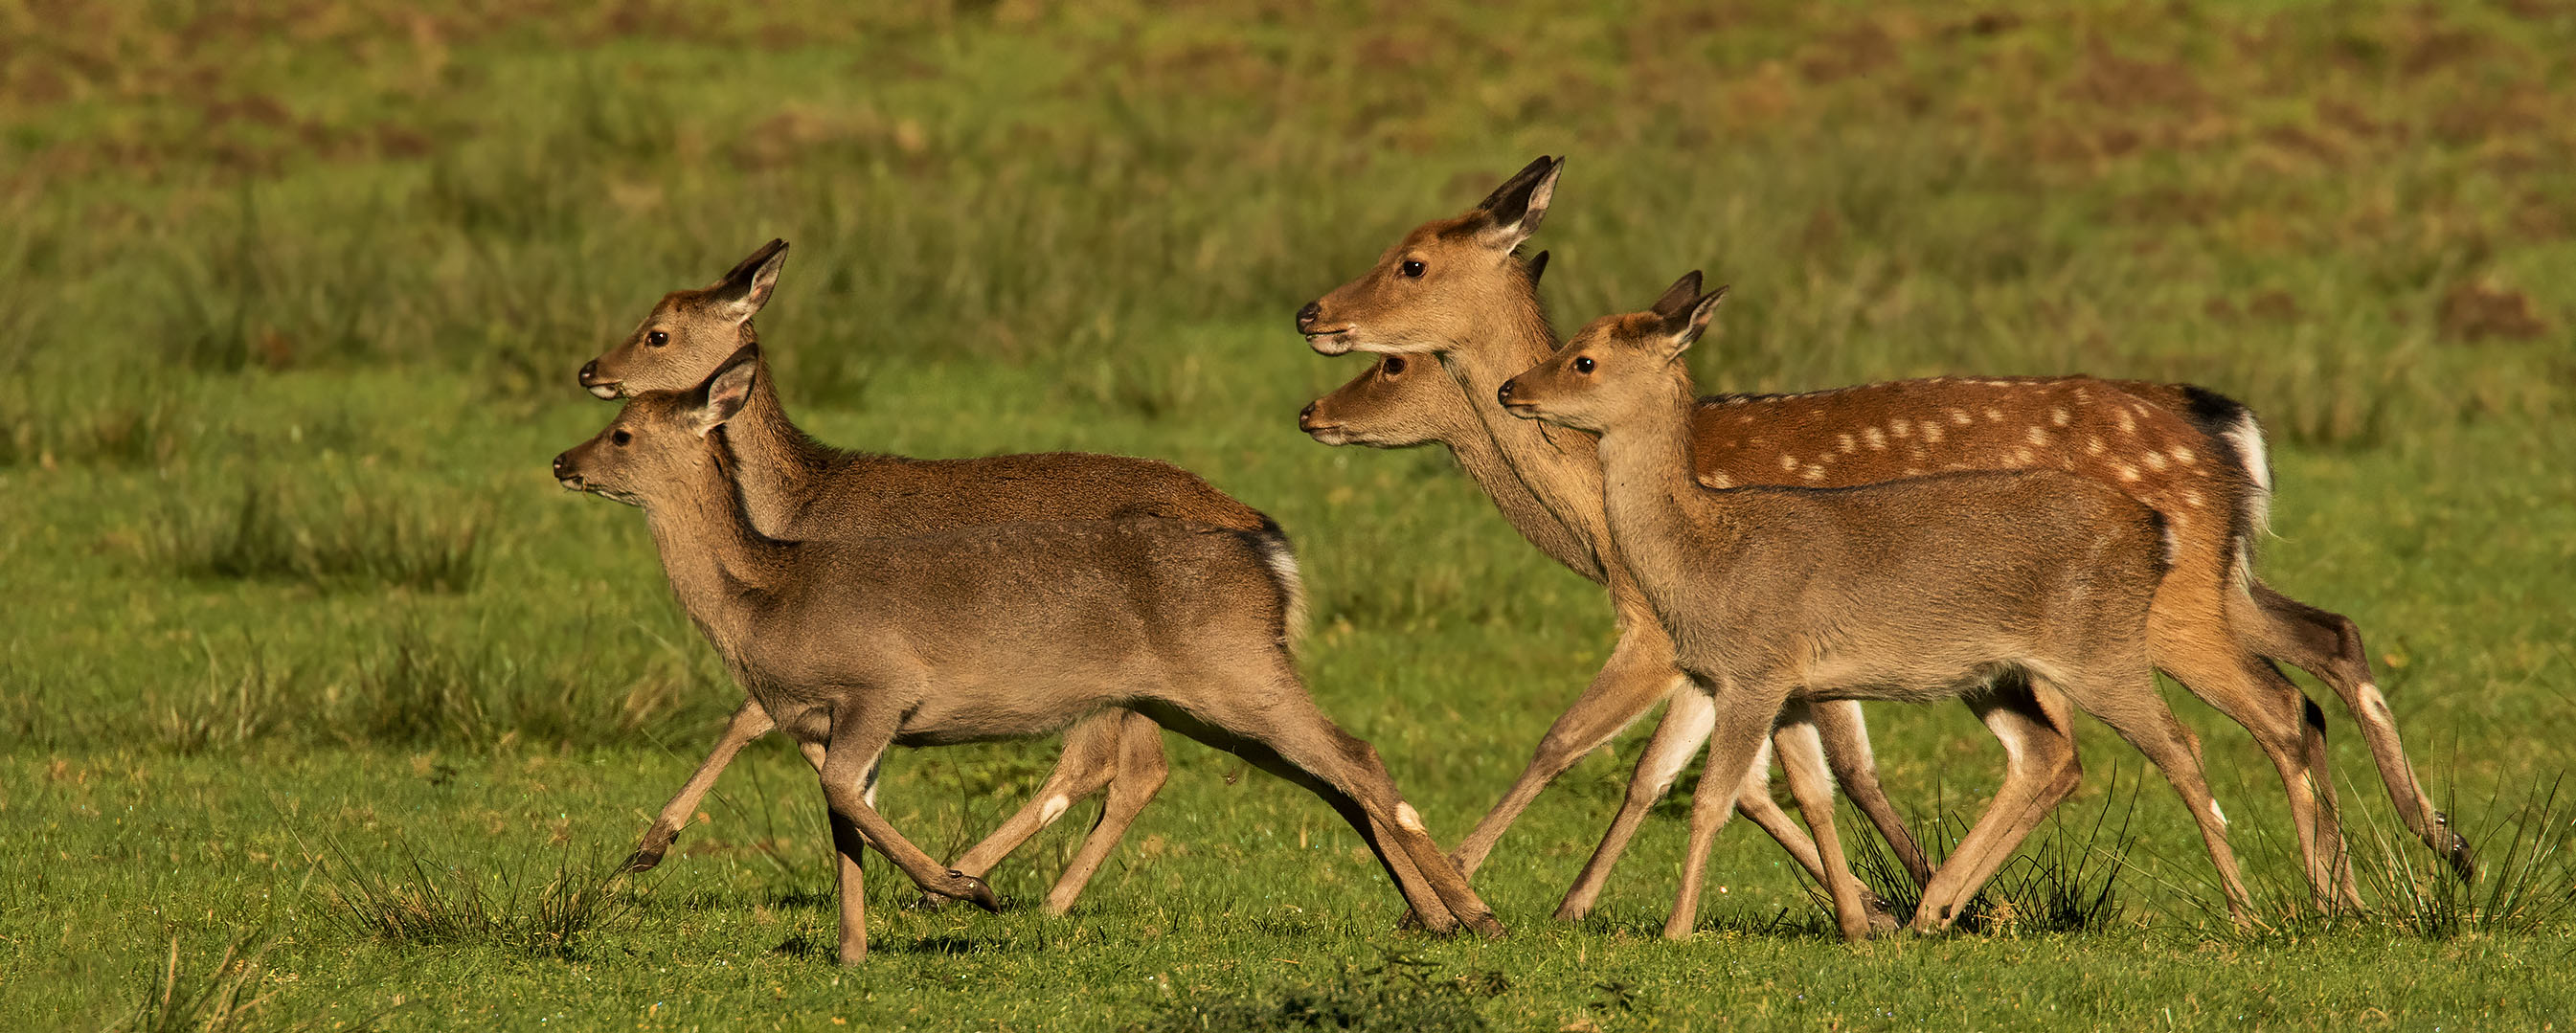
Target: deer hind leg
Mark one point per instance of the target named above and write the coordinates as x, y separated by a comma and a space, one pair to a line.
1089, 763
1141, 770
2129, 704
2328, 645
2041, 770
1277, 727
1638, 674
1811, 780
1846, 741
749, 722
2289, 728
1677, 737
1745, 715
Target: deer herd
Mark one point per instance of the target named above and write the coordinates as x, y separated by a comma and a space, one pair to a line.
2022, 545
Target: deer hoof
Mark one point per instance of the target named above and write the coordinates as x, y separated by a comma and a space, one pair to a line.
974, 889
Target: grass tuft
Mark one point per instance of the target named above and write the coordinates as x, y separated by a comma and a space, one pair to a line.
413, 900
2063, 880
369, 543
234, 993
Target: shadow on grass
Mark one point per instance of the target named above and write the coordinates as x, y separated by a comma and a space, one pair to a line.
1399, 993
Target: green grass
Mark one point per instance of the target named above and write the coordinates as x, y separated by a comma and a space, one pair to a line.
307, 669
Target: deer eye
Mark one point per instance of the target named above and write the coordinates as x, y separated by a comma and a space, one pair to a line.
1393, 366
657, 338
620, 436
1412, 268
1583, 364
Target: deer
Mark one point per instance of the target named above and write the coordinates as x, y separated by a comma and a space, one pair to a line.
1915, 589
1450, 289
797, 488
1397, 403
986, 633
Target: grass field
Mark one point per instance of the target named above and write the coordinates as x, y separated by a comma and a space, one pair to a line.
321, 707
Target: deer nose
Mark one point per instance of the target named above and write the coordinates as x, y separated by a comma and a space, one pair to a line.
589, 370
1503, 394
1307, 316
1306, 417
563, 464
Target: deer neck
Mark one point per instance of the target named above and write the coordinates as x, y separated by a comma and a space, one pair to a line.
1556, 465
780, 467
1666, 523
1484, 463
720, 566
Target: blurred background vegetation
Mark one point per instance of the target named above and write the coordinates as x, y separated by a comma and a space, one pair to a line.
291, 296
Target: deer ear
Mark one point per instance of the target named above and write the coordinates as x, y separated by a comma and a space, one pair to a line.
744, 289
1512, 212
1677, 298
1702, 311
727, 392
1537, 268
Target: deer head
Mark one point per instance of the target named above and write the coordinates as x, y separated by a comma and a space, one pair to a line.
690, 333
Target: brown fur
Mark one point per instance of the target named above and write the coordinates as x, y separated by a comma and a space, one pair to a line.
989, 633
797, 488
1400, 402
1913, 590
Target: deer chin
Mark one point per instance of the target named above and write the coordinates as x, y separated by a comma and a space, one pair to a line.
607, 392
1330, 435
1331, 342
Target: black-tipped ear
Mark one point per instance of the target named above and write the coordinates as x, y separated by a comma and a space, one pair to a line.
722, 397
1537, 268
745, 288
1702, 311
1678, 298
1512, 212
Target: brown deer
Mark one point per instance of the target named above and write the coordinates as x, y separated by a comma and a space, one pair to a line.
1450, 288
797, 488
1918, 589
991, 633
1400, 403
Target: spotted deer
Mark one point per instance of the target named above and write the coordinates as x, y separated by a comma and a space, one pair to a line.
1449, 289
984, 633
1916, 589
1400, 403
797, 488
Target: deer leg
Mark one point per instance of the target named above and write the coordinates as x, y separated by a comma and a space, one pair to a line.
860, 735
749, 723
1685, 727
2328, 645
2140, 716
1638, 674
1141, 769
1089, 761
1744, 718
1278, 724
2041, 770
1846, 742
2285, 724
1811, 781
